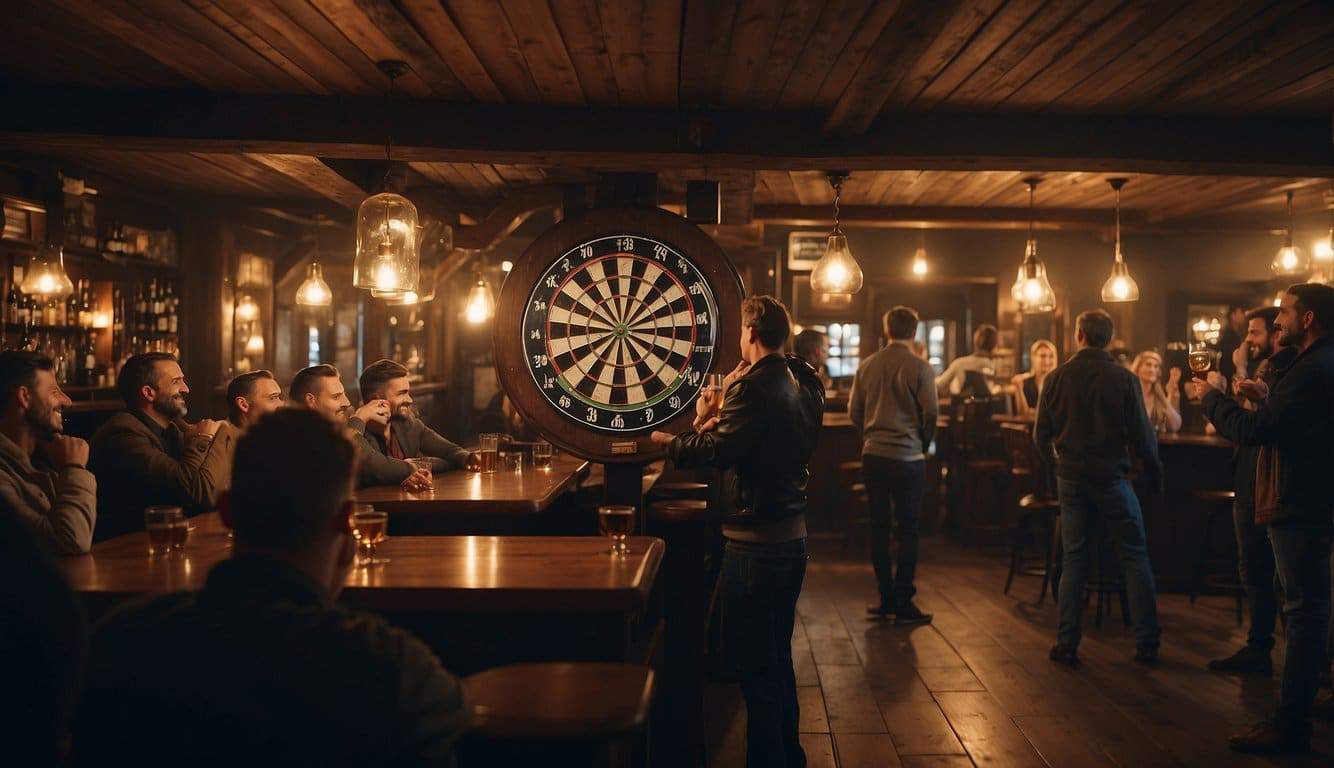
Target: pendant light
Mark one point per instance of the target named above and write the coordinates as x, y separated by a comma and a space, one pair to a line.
45, 276
1032, 290
481, 305
1120, 287
837, 272
246, 309
1290, 259
314, 292
387, 256
920, 266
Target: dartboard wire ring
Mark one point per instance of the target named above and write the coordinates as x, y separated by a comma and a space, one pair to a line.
655, 316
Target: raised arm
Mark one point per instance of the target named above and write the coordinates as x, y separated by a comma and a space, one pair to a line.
738, 432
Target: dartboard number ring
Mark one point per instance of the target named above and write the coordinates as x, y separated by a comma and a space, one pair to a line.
619, 333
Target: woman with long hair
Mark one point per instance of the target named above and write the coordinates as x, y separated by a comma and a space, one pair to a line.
1042, 360
1164, 406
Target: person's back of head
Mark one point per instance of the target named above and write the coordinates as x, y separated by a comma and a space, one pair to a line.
292, 479
377, 375
138, 372
809, 346
769, 318
1094, 328
984, 340
901, 323
307, 382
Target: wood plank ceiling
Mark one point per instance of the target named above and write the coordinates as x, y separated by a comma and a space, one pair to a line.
854, 60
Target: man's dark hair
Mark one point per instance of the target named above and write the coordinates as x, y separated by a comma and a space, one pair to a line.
290, 474
984, 338
18, 368
769, 318
1267, 313
1232, 308
378, 374
1317, 299
901, 322
807, 343
244, 386
138, 371
303, 383
1097, 327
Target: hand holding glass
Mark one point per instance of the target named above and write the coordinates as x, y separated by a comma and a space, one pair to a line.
422, 464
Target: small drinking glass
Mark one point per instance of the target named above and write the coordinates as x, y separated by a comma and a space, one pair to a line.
1200, 357
167, 529
369, 528
422, 463
542, 456
616, 523
511, 461
488, 447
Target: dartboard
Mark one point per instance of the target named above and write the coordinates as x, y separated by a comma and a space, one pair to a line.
618, 328
620, 332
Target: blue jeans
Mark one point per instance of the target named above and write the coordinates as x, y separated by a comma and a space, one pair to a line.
894, 489
1301, 554
1255, 570
758, 589
1115, 503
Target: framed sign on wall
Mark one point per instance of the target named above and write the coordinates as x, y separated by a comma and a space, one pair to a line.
804, 249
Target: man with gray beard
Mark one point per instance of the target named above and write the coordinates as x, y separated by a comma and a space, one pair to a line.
148, 454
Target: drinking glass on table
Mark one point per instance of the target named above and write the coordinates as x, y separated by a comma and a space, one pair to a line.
167, 529
511, 461
422, 464
616, 523
489, 445
369, 528
542, 455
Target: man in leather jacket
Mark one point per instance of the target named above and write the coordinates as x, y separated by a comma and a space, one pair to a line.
763, 436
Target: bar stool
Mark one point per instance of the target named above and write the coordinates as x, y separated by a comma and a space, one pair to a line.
678, 489
1034, 512
561, 713
1102, 583
976, 464
1214, 572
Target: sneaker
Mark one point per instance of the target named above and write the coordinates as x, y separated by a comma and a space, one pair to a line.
1271, 738
880, 611
911, 614
1247, 661
1064, 654
1146, 654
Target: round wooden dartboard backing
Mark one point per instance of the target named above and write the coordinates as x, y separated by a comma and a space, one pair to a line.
607, 325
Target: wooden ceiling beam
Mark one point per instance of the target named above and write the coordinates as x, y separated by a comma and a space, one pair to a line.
507, 216
312, 174
68, 120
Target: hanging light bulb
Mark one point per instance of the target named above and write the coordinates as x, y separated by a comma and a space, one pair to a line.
481, 305
506, 265
246, 309
314, 292
1033, 290
837, 272
920, 266
255, 344
46, 276
1017, 290
1290, 259
387, 248
1120, 286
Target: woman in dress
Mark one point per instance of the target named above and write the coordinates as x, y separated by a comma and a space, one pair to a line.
1164, 406
1028, 386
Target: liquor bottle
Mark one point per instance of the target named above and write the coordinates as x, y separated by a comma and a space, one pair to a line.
164, 303
140, 308
14, 301
87, 361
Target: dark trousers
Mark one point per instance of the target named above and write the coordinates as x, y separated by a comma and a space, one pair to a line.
1301, 555
1255, 570
1115, 502
758, 590
894, 489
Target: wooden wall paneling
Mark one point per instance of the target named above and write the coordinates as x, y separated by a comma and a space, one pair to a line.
838, 20
1089, 56
204, 22
967, 20
305, 17
435, 25
1011, 53
986, 42
293, 43
752, 41
490, 36
861, 47
353, 20
544, 51
582, 33
796, 24
708, 28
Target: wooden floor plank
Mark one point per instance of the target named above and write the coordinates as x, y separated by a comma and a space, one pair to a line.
1061, 742
936, 761
819, 750
865, 750
850, 705
950, 679
813, 717
986, 731
918, 727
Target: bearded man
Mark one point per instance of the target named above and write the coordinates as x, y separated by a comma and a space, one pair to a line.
149, 455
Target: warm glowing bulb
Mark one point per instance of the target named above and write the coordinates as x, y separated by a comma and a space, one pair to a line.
254, 345
1290, 260
506, 265
314, 292
837, 271
481, 306
919, 265
1032, 290
247, 309
386, 275
1278, 300
101, 319
46, 284
1324, 250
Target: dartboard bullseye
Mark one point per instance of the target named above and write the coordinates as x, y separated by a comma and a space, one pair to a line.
619, 332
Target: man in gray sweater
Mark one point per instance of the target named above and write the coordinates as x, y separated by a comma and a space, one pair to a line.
893, 402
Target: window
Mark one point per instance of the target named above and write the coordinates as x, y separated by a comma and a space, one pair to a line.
312, 345
845, 343
931, 334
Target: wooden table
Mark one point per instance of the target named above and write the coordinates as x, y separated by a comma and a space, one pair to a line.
479, 600
463, 502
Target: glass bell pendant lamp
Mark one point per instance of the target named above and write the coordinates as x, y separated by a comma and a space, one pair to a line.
1120, 286
481, 305
837, 272
314, 292
45, 276
387, 228
1290, 259
1034, 289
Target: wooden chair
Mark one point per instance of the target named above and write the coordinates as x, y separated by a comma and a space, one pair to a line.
565, 714
1216, 572
977, 464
